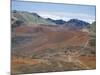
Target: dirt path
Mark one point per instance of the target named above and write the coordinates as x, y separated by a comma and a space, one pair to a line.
71, 59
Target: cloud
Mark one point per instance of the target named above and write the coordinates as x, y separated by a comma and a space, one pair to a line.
67, 16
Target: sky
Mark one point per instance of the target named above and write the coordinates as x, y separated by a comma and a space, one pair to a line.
57, 11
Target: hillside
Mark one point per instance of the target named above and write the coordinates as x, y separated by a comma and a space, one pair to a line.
30, 18
93, 27
42, 48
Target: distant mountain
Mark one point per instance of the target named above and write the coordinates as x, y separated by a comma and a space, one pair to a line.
77, 23
29, 18
71, 23
59, 22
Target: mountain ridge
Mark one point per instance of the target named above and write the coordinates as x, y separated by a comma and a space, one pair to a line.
33, 18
